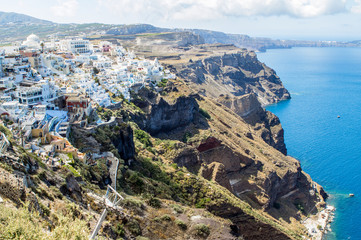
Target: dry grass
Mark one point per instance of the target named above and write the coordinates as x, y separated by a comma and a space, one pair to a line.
22, 224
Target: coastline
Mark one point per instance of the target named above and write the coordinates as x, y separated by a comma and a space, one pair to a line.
318, 225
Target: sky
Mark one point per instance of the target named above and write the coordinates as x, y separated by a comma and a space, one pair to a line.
280, 19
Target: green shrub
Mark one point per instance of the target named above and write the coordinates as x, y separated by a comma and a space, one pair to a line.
119, 229
45, 193
186, 137
56, 192
300, 207
165, 217
154, 202
162, 83
143, 137
133, 227
202, 230
42, 175
132, 203
150, 149
177, 208
136, 181
181, 224
202, 202
204, 113
170, 145
6, 167
73, 170
44, 209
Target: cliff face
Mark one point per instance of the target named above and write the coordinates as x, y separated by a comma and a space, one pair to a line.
165, 116
234, 74
266, 124
233, 151
243, 151
240, 162
160, 114
240, 82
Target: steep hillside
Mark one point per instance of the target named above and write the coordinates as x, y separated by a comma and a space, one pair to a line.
258, 183
231, 76
234, 74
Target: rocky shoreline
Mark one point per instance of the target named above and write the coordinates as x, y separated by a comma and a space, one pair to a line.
318, 225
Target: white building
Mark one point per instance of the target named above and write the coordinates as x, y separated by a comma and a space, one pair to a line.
78, 46
15, 109
42, 92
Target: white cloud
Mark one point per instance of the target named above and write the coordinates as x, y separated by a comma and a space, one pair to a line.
357, 7
144, 10
65, 8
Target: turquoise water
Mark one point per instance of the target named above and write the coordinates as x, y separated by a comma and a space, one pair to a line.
324, 83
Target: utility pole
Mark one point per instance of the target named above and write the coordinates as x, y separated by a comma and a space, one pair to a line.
111, 200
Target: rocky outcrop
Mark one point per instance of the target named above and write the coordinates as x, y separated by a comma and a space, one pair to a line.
266, 124
259, 181
124, 143
209, 144
233, 74
188, 157
12, 186
247, 225
246, 105
216, 172
162, 115
166, 116
105, 138
72, 188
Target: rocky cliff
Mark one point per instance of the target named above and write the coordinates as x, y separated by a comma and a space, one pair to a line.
237, 80
266, 124
234, 74
233, 155
164, 116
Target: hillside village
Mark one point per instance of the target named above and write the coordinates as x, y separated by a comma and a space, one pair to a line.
47, 86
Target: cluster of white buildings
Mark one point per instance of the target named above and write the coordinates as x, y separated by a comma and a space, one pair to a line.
46, 85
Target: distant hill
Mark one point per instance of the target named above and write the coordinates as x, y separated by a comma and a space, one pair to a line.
239, 40
11, 17
15, 26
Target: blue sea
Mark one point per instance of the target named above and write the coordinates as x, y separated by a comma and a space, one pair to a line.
324, 83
